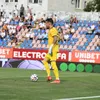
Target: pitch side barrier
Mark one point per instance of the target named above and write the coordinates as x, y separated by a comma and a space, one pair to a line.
72, 61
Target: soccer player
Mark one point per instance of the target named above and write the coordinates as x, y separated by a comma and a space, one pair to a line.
51, 56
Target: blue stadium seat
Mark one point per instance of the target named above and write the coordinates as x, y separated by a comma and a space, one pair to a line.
82, 25
86, 44
89, 40
16, 22
42, 42
73, 43
22, 45
92, 36
29, 41
46, 42
35, 31
79, 47
75, 39
0, 43
97, 48
32, 23
81, 32
83, 48
68, 43
88, 36
60, 42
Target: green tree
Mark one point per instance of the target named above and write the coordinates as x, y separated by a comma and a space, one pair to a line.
93, 6
97, 5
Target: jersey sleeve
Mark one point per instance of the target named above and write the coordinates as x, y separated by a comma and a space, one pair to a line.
54, 32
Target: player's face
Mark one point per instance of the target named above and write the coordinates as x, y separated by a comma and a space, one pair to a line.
47, 25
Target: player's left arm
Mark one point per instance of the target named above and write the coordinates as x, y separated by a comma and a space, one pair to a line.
55, 39
54, 35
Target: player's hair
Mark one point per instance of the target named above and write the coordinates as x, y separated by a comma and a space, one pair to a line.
50, 20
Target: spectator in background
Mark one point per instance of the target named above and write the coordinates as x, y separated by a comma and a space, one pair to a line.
42, 25
2, 34
67, 25
13, 43
32, 34
73, 20
15, 11
44, 17
98, 31
1, 23
1, 10
30, 18
16, 19
98, 22
54, 17
29, 10
39, 37
69, 33
12, 36
10, 16
3, 19
9, 44
91, 29
98, 43
45, 36
60, 31
22, 11
34, 17
72, 30
66, 36
21, 23
5, 27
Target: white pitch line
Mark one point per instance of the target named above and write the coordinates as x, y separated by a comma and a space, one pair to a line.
81, 98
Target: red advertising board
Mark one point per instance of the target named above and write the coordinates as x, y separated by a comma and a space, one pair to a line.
37, 54
6, 52
86, 57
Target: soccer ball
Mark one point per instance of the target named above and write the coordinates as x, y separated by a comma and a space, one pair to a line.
34, 78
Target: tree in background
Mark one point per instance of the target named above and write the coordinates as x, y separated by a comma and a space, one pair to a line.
97, 5
93, 6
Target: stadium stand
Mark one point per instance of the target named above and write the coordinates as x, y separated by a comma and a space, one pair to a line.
78, 32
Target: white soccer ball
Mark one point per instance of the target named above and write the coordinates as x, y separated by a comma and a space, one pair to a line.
34, 78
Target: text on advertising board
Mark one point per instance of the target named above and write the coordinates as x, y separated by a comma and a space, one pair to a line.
37, 54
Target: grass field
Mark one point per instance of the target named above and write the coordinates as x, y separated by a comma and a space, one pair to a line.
15, 84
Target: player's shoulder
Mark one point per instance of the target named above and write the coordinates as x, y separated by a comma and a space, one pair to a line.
53, 29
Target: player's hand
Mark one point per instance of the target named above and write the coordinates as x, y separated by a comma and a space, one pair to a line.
50, 49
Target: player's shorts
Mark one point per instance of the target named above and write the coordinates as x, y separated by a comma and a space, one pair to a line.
53, 57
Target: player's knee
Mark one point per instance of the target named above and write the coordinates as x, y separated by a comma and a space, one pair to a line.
53, 64
44, 62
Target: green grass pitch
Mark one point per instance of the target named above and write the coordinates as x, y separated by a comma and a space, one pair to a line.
15, 84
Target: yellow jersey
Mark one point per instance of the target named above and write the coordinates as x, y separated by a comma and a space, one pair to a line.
53, 32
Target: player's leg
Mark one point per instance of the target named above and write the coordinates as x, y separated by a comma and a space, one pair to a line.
46, 65
55, 68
